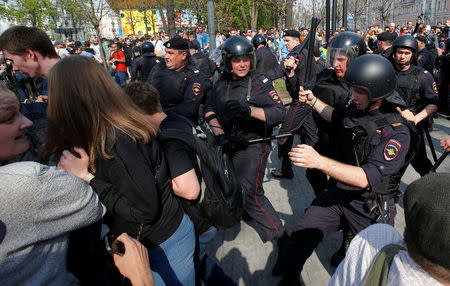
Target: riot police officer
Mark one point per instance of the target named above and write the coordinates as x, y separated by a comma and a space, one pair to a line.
373, 148
206, 66
145, 62
425, 57
265, 59
298, 119
244, 105
417, 88
179, 83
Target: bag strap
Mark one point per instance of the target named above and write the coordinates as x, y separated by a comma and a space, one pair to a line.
378, 272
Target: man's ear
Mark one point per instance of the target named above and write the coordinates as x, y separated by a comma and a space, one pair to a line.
31, 55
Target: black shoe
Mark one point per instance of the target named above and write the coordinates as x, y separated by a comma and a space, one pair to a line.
339, 255
290, 278
283, 173
281, 243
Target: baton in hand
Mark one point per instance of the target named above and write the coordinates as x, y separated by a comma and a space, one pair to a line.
268, 139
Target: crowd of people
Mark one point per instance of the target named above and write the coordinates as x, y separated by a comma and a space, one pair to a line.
95, 194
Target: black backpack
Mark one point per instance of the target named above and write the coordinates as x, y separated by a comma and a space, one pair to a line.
221, 198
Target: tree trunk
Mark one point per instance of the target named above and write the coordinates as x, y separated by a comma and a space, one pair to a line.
171, 17
289, 14
163, 18
253, 13
244, 18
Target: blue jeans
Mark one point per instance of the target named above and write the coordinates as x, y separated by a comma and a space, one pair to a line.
210, 272
172, 262
121, 77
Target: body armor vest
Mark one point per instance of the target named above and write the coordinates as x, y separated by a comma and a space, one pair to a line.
355, 145
408, 87
171, 85
227, 90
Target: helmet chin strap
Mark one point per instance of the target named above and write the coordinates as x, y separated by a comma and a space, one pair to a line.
403, 65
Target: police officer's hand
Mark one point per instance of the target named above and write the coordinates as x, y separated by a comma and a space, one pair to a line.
305, 156
445, 143
290, 64
239, 109
306, 96
408, 115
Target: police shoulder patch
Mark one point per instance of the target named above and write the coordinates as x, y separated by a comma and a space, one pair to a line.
391, 150
274, 95
196, 88
435, 87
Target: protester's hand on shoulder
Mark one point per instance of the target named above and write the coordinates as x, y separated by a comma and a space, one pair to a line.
134, 263
75, 166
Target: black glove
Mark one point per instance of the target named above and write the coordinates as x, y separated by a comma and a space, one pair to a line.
238, 109
231, 144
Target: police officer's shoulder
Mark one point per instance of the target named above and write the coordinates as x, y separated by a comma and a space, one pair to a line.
260, 79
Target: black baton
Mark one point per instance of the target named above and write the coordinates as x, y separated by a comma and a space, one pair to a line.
261, 140
438, 162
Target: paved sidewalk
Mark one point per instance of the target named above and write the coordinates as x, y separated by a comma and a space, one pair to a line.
249, 261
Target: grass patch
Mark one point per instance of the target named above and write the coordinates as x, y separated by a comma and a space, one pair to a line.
280, 87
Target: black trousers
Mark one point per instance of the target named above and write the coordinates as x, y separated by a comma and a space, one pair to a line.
298, 120
420, 162
323, 218
250, 165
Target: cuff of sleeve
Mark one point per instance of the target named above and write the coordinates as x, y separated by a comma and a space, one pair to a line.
373, 174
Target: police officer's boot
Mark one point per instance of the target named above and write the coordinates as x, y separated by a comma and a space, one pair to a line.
281, 244
339, 255
284, 172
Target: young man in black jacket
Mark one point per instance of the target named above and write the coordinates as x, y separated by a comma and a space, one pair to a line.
182, 168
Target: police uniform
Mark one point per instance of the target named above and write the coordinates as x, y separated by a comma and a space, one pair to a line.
425, 60
180, 91
299, 118
143, 65
255, 90
343, 203
265, 59
418, 89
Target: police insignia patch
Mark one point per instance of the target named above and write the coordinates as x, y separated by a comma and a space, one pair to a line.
435, 87
391, 150
196, 88
275, 96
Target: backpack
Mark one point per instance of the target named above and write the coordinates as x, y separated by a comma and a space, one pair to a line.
221, 198
378, 272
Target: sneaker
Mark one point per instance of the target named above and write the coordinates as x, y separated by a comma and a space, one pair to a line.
283, 173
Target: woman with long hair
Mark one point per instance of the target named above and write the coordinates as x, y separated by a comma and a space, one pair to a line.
40, 205
92, 118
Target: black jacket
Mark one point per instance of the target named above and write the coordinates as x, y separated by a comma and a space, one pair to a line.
126, 185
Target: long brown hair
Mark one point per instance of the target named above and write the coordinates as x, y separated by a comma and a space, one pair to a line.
86, 107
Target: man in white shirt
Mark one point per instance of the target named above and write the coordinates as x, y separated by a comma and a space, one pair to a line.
427, 240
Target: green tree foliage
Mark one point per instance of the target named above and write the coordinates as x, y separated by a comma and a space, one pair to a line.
37, 13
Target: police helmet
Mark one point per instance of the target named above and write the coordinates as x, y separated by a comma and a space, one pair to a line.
147, 47
349, 44
406, 41
373, 74
258, 40
237, 46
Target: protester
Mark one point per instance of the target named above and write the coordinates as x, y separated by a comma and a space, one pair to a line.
423, 258
121, 161
40, 206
